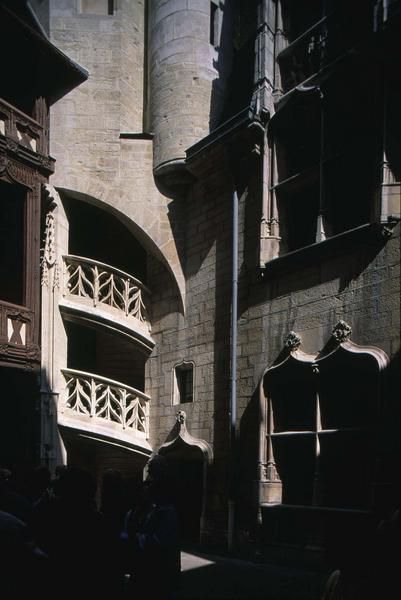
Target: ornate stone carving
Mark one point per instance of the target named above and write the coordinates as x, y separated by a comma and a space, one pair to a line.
11, 145
388, 227
3, 163
46, 163
342, 331
181, 434
109, 401
22, 174
104, 284
292, 341
181, 417
49, 261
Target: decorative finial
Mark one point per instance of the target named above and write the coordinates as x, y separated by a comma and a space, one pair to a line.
181, 417
292, 341
342, 331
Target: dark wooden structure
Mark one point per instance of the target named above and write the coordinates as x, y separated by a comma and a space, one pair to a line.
35, 74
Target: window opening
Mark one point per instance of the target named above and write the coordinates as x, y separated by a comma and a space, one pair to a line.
96, 7
320, 425
183, 383
12, 242
328, 159
214, 24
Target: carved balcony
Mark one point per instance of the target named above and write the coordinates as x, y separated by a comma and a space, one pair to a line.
322, 44
20, 129
105, 297
107, 409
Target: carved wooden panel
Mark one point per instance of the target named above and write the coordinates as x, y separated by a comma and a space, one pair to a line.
19, 323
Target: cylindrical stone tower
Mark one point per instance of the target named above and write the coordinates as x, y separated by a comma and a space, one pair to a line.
182, 71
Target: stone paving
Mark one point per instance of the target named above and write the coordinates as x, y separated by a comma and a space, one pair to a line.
207, 577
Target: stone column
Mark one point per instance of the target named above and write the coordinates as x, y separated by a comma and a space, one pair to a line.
54, 338
390, 193
268, 43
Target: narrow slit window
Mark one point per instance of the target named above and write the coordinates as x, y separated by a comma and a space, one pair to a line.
183, 383
214, 22
96, 7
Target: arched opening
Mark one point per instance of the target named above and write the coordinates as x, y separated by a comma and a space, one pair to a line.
98, 456
324, 416
98, 235
187, 468
322, 424
110, 356
188, 458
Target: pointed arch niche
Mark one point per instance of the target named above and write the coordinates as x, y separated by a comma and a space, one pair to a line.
188, 459
318, 426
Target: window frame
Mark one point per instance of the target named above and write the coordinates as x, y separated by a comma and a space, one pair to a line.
111, 10
183, 366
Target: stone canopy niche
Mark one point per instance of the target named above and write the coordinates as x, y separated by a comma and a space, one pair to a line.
320, 419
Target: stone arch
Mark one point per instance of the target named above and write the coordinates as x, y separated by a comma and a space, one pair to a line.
320, 380
189, 458
150, 227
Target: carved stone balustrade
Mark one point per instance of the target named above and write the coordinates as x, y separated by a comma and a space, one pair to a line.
105, 408
105, 296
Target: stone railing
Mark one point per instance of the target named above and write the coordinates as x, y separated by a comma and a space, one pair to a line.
16, 125
105, 402
101, 284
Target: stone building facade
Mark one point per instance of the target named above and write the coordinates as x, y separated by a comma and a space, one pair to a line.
194, 113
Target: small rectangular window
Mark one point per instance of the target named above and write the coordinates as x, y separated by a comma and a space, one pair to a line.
96, 7
214, 24
183, 383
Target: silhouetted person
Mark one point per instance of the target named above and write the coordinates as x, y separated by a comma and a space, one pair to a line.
152, 537
22, 563
39, 485
113, 507
113, 500
11, 501
385, 567
74, 535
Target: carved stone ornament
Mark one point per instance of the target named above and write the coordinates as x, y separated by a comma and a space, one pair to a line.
11, 145
49, 251
342, 331
3, 163
292, 341
182, 435
181, 417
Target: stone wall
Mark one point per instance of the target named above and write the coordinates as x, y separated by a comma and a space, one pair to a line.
358, 283
92, 160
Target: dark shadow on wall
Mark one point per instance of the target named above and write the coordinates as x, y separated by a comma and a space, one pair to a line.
343, 260
20, 420
96, 234
232, 89
247, 469
20, 425
223, 62
388, 440
176, 217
